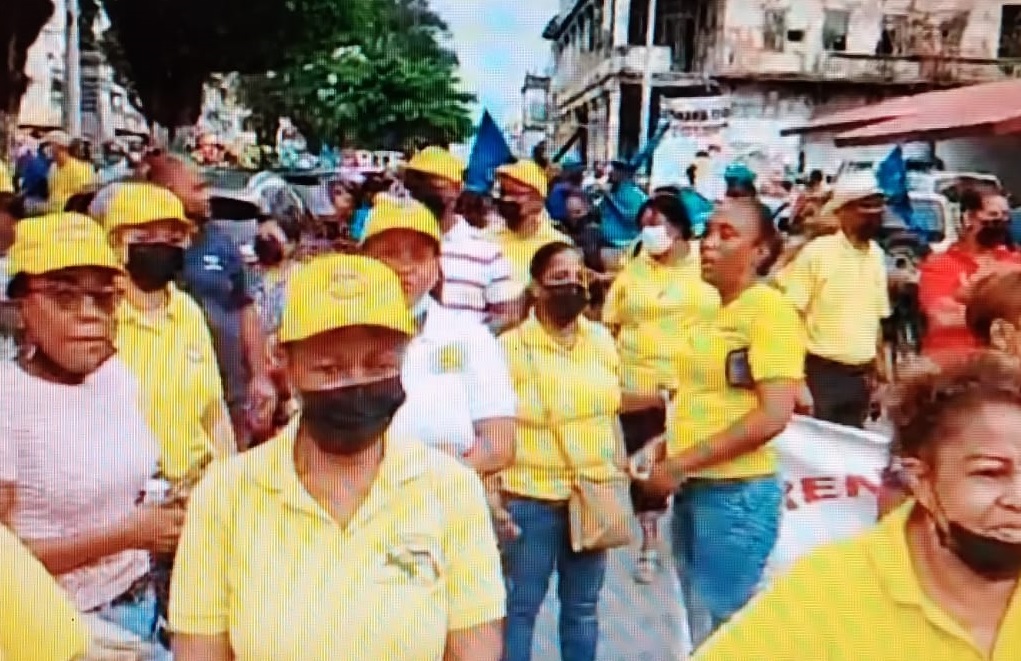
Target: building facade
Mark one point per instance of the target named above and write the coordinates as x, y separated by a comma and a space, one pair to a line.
781, 62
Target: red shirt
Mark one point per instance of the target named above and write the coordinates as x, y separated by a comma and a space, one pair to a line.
941, 277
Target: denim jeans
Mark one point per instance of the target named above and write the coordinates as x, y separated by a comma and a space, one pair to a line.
723, 533
138, 617
529, 561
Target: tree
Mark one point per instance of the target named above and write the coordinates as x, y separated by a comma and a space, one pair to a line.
388, 85
169, 48
21, 21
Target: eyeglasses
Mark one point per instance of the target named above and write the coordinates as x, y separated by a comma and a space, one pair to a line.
71, 298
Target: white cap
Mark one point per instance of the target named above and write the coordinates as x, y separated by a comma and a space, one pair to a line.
852, 187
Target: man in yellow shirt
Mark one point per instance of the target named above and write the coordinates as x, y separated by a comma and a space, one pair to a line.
335, 540
838, 283
523, 189
37, 622
68, 175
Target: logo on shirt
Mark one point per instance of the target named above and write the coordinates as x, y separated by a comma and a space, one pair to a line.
212, 262
450, 359
193, 353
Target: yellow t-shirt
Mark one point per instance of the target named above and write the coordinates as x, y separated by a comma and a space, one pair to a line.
6, 179
67, 181
564, 395
757, 337
37, 621
262, 561
655, 305
172, 356
519, 251
856, 600
842, 293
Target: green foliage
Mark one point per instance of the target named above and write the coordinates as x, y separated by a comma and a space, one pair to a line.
385, 86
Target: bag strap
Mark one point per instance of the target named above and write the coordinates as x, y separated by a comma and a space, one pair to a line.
558, 439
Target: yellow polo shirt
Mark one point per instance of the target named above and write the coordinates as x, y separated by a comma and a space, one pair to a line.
172, 356
571, 394
759, 332
855, 600
842, 292
67, 181
37, 622
655, 304
262, 561
519, 250
6, 179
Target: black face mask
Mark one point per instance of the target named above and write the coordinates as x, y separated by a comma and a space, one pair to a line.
511, 212
268, 250
990, 558
153, 265
992, 235
346, 420
565, 302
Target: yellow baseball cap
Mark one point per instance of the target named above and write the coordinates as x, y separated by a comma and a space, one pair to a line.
528, 173
437, 162
392, 213
337, 291
59, 241
140, 204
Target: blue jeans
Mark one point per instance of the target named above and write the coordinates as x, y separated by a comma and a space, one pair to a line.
138, 617
723, 533
529, 561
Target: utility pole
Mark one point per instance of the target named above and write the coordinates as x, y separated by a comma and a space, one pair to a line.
650, 36
72, 71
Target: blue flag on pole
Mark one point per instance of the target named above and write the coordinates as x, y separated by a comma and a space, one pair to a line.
489, 152
892, 176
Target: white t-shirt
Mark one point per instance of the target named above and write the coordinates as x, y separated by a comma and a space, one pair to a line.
455, 374
79, 457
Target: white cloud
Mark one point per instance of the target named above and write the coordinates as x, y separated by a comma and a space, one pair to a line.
497, 43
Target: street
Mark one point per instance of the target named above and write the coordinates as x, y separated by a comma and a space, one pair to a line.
636, 622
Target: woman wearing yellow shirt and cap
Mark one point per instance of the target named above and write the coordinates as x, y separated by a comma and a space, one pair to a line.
738, 381
162, 334
332, 541
567, 376
649, 308
937, 579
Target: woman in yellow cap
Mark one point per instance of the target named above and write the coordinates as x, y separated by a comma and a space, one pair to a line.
460, 396
75, 451
162, 334
331, 540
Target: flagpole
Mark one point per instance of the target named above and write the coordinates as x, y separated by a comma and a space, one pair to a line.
650, 36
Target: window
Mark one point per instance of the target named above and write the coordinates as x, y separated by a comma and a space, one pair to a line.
1010, 31
774, 30
894, 38
834, 30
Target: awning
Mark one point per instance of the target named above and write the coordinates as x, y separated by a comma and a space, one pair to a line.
971, 101
979, 110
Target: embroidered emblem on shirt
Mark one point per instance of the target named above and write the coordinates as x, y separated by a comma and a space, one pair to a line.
450, 359
193, 353
415, 562
212, 262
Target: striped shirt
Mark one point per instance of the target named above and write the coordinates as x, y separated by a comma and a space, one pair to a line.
475, 273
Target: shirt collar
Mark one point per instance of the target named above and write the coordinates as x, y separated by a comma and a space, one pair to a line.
846, 244
534, 335
175, 304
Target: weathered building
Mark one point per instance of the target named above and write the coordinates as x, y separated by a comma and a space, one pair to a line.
780, 61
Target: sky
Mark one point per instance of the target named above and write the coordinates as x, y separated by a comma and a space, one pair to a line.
497, 43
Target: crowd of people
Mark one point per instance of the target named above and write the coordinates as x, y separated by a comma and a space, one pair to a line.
385, 437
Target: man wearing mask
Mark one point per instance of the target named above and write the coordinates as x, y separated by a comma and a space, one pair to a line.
115, 163
528, 227
68, 175
214, 275
476, 276
947, 279
838, 283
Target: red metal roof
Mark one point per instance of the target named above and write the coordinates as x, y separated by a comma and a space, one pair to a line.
906, 106
989, 109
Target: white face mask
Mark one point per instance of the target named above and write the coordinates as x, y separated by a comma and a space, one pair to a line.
656, 240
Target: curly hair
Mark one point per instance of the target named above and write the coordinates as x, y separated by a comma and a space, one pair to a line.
995, 297
936, 400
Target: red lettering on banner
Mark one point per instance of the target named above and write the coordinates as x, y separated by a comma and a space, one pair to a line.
809, 490
819, 488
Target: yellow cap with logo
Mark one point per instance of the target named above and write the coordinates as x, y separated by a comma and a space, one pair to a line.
337, 291
136, 204
393, 213
437, 162
59, 241
527, 173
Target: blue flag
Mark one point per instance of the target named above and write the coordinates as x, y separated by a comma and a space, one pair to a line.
892, 176
489, 152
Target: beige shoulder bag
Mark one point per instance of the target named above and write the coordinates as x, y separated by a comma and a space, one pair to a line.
600, 510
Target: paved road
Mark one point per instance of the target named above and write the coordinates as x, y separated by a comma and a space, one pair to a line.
636, 622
